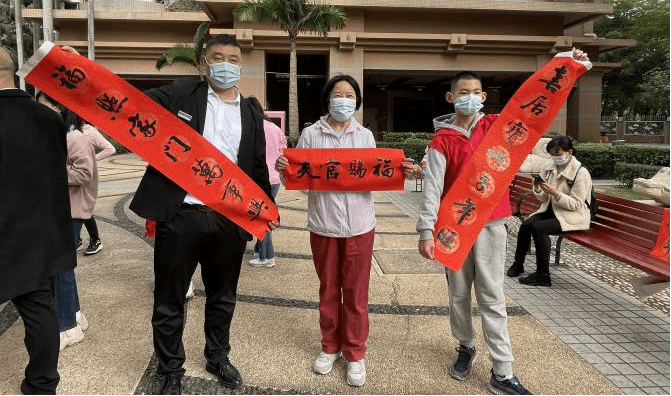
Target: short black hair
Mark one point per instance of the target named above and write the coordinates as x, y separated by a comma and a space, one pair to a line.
562, 142
328, 87
256, 105
73, 120
222, 39
464, 75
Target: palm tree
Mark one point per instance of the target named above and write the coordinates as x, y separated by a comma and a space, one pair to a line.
294, 17
183, 53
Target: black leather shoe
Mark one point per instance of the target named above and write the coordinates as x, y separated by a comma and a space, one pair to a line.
515, 270
172, 384
536, 279
227, 373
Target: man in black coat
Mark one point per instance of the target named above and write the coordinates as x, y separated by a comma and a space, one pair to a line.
36, 234
188, 232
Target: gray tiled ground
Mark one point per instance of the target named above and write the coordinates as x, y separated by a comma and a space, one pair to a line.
625, 339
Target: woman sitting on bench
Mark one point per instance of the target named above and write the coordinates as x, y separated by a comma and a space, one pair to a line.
564, 188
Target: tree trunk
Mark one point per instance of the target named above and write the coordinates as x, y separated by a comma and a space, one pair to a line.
293, 90
18, 17
90, 16
48, 20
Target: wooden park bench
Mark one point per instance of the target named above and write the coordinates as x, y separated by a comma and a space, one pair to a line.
622, 229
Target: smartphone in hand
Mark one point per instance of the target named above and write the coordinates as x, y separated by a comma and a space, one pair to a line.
537, 178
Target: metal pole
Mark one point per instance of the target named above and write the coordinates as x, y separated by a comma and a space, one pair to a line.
48, 20
18, 18
90, 16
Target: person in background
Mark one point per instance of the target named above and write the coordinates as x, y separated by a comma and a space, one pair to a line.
83, 190
276, 142
565, 192
104, 149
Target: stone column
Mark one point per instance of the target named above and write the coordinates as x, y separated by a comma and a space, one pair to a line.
253, 75
584, 115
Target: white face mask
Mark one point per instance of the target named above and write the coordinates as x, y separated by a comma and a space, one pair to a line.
560, 160
468, 104
224, 75
342, 109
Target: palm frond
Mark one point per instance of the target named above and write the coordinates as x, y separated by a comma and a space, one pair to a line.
161, 62
199, 39
181, 53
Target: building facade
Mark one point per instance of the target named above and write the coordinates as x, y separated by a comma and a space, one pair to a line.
403, 53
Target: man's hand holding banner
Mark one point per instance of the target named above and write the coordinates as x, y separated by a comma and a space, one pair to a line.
152, 132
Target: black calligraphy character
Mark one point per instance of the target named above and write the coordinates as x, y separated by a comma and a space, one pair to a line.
167, 147
357, 169
331, 172
552, 85
305, 170
69, 78
233, 190
207, 171
447, 237
110, 104
254, 209
538, 105
466, 209
516, 133
481, 185
385, 164
146, 128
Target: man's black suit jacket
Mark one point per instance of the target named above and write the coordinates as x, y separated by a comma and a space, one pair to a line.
159, 198
36, 236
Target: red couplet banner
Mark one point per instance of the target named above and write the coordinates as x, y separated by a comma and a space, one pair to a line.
471, 200
152, 132
661, 250
344, 169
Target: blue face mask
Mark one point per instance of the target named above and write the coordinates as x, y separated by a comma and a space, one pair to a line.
342, 109
224, 75
468, 104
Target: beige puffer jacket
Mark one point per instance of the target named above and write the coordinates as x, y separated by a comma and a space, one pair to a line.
570, 208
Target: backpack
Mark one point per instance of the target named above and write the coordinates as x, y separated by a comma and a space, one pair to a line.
592, 205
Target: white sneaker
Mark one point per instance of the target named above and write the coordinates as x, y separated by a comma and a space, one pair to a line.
71, 337
81, 320
356, 373
190, 293
262, 263
324, 362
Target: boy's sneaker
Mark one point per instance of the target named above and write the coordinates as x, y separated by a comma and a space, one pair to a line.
356, 373
262, 263
80, 246
536, 279
324, 362
515, 270
71, 337
507, 387
81, 320
461, 367
94, 247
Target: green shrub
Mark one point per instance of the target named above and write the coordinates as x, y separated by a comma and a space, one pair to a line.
642, 155
397, 136
597, 158
626, 173
292, 141
120, 148
412, 148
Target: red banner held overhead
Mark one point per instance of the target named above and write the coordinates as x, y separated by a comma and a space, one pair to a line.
363, 169
152, 132
476, 192
661, 250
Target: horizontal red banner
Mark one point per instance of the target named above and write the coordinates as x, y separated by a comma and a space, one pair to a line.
365, 169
